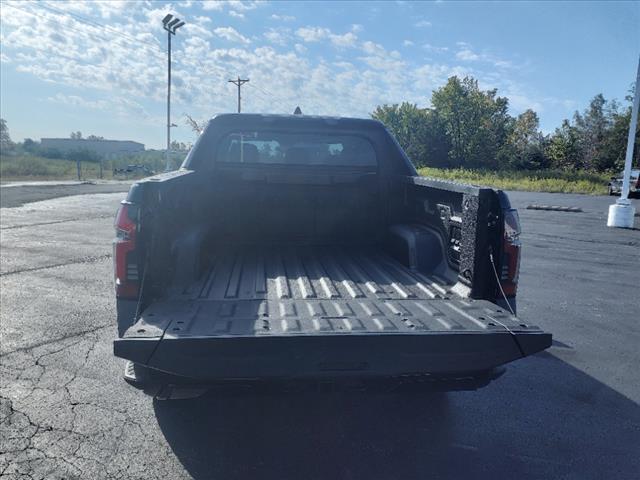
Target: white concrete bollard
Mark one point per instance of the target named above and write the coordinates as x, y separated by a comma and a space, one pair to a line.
621, 214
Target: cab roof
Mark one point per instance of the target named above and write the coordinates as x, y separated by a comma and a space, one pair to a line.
288, 119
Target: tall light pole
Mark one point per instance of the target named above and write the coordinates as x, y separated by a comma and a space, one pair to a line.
170, 24
622, 213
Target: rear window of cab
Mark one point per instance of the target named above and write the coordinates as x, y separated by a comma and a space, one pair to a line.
300, 149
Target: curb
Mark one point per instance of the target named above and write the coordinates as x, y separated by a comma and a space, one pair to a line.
554, 208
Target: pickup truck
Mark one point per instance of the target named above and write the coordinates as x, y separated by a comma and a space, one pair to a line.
301, 250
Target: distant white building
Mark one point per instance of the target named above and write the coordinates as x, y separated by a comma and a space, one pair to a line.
106, 148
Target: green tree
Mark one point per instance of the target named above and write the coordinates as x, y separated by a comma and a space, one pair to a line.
5, 139
179, 146
595, 140
477, 122
614, 145
526, 143
419, 132
593, 126
407, 123
564, 148
30, 146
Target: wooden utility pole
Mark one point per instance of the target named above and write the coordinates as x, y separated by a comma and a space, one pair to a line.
239, 82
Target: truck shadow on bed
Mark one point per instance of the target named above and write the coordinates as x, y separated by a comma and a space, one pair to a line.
543, 419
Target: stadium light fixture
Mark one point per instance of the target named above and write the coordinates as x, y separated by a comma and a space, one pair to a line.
171, 24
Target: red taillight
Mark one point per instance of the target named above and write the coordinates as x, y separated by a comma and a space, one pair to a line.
125, 262
510, 265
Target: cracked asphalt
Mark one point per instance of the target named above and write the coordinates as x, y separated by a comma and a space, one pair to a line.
571, 412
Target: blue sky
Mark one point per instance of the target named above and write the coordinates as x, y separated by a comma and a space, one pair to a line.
100, 67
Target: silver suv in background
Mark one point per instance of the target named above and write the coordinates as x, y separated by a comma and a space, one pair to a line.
615, 185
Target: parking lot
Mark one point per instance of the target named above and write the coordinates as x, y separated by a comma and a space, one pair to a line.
571, 412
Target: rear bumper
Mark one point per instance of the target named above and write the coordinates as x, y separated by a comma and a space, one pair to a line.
166, 386
617, 189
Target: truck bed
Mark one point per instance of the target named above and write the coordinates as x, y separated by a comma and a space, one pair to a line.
350, 309
306, 290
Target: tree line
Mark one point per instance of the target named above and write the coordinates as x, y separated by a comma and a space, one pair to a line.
471, 128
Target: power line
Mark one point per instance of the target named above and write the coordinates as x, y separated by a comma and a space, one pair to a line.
69, 27
93, 23
239, 82
269, 97
92, 34
157, 50
159, 53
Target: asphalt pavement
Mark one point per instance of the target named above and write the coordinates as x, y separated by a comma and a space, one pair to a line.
572, 412
15, 194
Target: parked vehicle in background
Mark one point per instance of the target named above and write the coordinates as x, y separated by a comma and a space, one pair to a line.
615, 185
133, 170
291, 248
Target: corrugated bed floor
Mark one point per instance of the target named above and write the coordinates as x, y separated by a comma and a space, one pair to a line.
314, 272
312, 290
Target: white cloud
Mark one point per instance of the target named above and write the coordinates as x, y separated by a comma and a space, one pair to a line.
210, 5
349, 39
373, 48
232, 5
244, 5
433, 48
408, 43
317, 34
196, 29
343, 64
233, 13
278, 36
379, 58
313, 34
422, 24
109, 9
77, 6
231, 34
284, 18
467, 55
